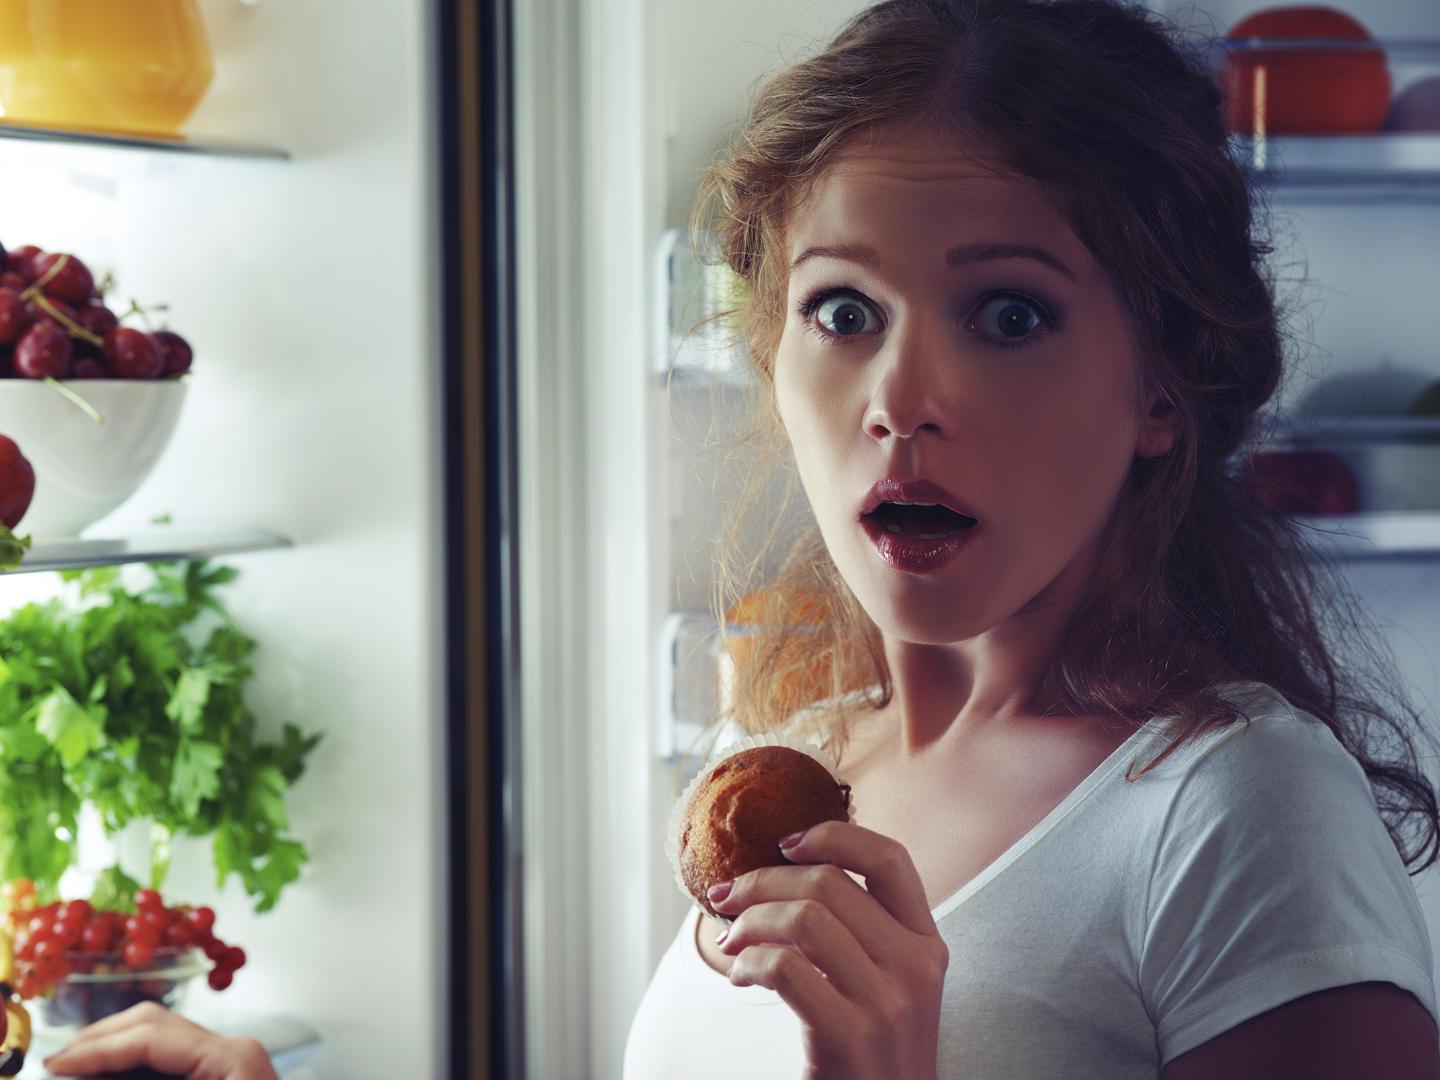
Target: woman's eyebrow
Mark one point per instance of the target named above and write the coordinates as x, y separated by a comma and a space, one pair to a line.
864, 256
955, 257
984, 252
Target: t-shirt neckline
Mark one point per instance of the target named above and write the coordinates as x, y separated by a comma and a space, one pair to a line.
1102, 772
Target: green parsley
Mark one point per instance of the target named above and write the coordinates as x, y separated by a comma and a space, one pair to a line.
12, 549
133, 699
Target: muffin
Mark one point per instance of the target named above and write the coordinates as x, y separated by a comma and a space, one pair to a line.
737, 814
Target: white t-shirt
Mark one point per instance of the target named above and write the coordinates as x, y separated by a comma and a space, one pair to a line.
1139, 920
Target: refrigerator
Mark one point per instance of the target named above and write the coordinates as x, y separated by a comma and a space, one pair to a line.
435, 346
1355, 230
298, 251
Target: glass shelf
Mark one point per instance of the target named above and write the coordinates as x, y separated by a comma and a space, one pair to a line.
158, 546
142, 142
1388, 167
1399, 52
1395, 460
1399, 534
1347, 168
1359, 429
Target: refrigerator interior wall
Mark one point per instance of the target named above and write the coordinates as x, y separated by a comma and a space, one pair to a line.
1363, 280
305, 287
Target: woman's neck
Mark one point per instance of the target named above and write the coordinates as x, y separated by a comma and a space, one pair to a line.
942, 692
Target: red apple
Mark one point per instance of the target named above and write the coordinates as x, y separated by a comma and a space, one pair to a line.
1304, 482
1320, 91
17, 483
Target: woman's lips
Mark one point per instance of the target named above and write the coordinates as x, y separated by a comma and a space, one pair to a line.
916, 525
913, 555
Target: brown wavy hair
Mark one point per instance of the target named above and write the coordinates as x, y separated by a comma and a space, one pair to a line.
1119, 120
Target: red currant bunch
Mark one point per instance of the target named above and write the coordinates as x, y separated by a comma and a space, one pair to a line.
50, 941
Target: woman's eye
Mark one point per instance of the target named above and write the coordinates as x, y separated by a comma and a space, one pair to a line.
1008, 317
846, 316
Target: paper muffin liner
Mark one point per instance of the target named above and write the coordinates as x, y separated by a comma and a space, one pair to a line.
750, 742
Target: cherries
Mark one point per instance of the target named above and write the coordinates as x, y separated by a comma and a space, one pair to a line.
100, 320
45, 350
14, 319
175, 351
58, 939
63, 276
54, 324
132, 354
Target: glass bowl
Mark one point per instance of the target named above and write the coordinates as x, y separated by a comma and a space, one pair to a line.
100, 984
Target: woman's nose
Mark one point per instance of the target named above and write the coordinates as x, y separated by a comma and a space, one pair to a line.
907, 395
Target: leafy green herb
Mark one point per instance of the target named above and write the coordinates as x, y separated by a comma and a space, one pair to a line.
115, 891
12, 549
117, 700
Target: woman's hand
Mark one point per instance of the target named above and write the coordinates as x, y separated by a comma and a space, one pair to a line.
863, 968
150, 1034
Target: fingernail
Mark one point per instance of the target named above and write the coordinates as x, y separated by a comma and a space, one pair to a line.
718, 893
720, 937
787, 842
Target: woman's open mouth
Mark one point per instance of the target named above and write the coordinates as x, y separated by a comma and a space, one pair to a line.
912, 527
920, 520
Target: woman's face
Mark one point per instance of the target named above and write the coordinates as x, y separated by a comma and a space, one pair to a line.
960, 387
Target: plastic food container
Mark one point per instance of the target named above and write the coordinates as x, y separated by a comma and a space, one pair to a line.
102, 64
1304, 71
101, 984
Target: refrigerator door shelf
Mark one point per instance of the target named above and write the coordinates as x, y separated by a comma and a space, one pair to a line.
687, 659
696, 297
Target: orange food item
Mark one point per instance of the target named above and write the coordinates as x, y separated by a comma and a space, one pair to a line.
803, 680
1320, 91
737, 815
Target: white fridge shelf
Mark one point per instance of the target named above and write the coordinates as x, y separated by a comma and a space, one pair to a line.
1398, 534
157, 546
1345, 168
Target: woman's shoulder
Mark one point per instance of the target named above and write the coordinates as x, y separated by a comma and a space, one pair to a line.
1275, 788
1271, 751
1274, 877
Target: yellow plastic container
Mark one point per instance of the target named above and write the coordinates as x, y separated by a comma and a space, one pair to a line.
138, 66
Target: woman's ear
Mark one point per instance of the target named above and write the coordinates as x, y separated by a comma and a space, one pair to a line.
1157, 427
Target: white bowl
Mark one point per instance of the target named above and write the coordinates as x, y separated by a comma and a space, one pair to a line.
83, 470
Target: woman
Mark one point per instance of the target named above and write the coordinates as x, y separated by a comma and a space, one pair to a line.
1116, 800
